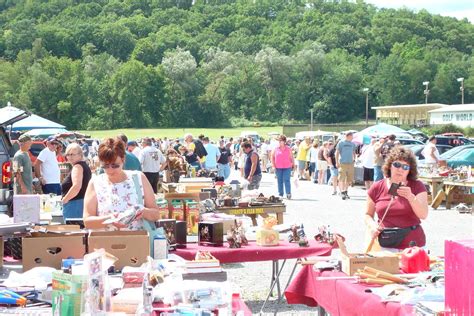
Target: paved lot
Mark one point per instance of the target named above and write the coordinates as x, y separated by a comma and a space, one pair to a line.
313, 205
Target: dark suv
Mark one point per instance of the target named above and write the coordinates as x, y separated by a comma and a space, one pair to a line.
6, 155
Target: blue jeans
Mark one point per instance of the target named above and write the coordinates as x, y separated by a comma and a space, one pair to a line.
224, 170
73, 209
54, 188
283, 178
378, 174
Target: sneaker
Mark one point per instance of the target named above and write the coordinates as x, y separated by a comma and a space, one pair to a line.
288, 196
334, 193
343, 196
347, 196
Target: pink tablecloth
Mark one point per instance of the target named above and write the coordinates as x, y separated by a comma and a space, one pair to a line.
339, 297
252, 252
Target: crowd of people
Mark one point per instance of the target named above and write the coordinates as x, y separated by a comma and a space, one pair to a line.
127, 173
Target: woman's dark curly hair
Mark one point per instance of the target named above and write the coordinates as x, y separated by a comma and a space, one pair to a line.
403, 154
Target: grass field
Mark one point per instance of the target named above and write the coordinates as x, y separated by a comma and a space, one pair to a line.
213, 133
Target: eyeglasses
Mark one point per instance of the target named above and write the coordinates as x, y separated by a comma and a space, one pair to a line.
71, 154
399, 165
110, 165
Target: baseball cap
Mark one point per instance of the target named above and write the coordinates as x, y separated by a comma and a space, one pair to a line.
51, 139
132, 143
24, 138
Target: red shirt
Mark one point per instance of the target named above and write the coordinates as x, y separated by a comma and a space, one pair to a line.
400, 213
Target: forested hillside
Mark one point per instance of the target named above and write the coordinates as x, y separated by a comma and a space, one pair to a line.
101, 64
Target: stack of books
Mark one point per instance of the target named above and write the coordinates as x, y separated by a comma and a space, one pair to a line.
204, 266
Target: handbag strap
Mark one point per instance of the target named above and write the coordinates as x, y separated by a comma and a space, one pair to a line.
138, 189
386, 211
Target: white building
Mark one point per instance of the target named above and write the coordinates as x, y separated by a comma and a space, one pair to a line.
461, 115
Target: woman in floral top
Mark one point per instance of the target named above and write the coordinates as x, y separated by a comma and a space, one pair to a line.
115, 191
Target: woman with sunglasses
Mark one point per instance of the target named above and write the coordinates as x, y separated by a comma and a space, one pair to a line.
117, 190
407, 206
74, 185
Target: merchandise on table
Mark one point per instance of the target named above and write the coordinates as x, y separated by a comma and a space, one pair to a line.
192, 216
163, 208
351, 262
169, 227
211, 234
177, 210
266, 235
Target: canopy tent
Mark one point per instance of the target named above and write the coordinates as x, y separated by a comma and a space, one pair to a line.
31, 122
382, 129
45, 132
312, 134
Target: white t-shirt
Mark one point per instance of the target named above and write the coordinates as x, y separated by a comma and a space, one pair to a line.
151, 159
367, 157
136, 152
49, 167
427, 153
264, 149
313, 154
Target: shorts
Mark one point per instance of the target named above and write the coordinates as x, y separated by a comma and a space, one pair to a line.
334, 172
346, 172
301, 164
322, 165
368, 174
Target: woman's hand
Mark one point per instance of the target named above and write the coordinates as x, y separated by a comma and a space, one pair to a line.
117, 224
406, 193
374, 230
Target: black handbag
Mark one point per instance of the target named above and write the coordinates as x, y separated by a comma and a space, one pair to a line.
393, 237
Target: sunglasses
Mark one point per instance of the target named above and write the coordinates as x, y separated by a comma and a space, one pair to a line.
399, 165
110, 165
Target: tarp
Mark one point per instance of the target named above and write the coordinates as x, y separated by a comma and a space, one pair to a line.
382, 129
31, 122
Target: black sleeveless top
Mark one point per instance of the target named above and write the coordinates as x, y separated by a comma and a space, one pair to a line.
86, 176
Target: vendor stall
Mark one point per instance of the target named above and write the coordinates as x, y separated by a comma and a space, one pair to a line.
336, 294
466, 195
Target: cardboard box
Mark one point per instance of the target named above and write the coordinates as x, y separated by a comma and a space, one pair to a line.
49, 248
177, 210
459, 279
26, 208
384, 261
163, 208
130, 247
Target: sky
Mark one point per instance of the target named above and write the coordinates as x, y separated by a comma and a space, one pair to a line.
456, 8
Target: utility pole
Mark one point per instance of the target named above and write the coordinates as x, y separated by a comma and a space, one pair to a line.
427, 91
366, 90
461, 80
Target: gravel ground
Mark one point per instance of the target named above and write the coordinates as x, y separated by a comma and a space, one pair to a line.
313, 205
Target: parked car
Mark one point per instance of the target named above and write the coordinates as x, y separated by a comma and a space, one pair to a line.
452, 140
418, 150
407, 141
6, 155
463, 158
451, 153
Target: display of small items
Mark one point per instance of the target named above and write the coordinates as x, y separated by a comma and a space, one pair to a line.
325, 235
298, 236
211, 234
236, 235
